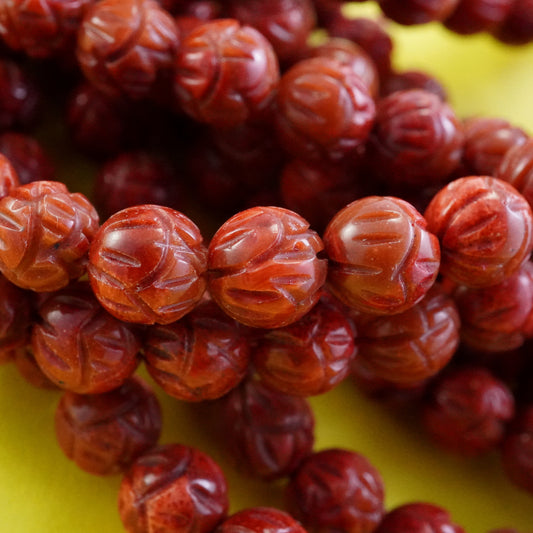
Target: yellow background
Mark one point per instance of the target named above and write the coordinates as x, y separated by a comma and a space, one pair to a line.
42, 492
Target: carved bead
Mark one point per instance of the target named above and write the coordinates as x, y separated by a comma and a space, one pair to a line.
263, 267
45, 233
147, 265
260, 520
8, 177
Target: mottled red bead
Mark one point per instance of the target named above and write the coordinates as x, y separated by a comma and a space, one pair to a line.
517, 27
417, 139
45, 233
8, 177
324, 110
417, 11
473, 16
263, 267
382, 259
41, 28
260, 520
495, 318
199, 357
27, 156
487, 140
175, 489
467, 411
517, 450
127, 47
309, 357
81, 347
147, 265
336, 490
225, 73
28, 368
418, 518
267, 433
412, 346
287, 24
484, 227
412, 79
104, 433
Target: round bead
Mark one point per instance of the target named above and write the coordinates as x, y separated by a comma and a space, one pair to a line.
324, 110
175, 489
225, 73
8, 177
417, 139
467, 411
126, 47
409, 347
147, 265
29, 369
473, 16
382, 258
268, 434
517, 27
309, 357
336, 490
200, 357
413, 79
263, 267
484, 227
418, 518
410, 12
104, 433
79, 346
260, 520
45, 233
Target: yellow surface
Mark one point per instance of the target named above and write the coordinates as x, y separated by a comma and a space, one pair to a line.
42, 492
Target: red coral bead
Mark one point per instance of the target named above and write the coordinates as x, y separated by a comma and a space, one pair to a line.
473, 16
79, 346
8, 177
147, 265
45, 233
175, 489
324, 110
382, 258
417, 139
263, 267
200, 357
309, 357
517, 27
485, 229
260, 520
409, 347
104, 433
412, 79
417, 11
336, 490
127, 47
225, 73
418, 518
268, 434
467, 411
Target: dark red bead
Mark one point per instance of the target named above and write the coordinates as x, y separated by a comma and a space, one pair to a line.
267, 433
260, 520
413, 79
517, 27
104, 433
417, 11
467, 411
8, 177
336, 490
175, 489
28, 368
473, 16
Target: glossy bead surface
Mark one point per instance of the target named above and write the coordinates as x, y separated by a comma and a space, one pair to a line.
147, 265
473, 16
418, 518
336, 490
41, 28
484, 227
412, 346
225, 73
267, 433
260, 520
324, 110
517, 450
175, 489
417, 139
79, 346
104, 433
199, 357
467, 411
417, 11
382, 259
45, 233
8, 177
127, 47
309, 357
263, 267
